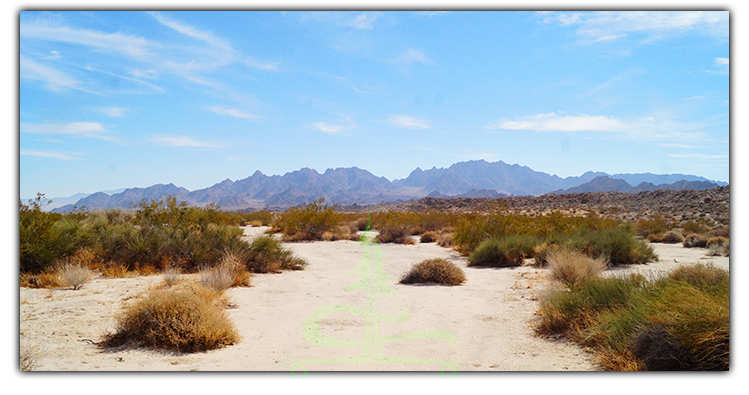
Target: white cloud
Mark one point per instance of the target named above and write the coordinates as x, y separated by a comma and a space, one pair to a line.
595, 27
113, 112
56, 80
76, 129
362, 21
232, 112
554, 122
46, 154
431, 13
329, 128
721, 61
409, 122
676, 145
180, 141
132, 46
190, 31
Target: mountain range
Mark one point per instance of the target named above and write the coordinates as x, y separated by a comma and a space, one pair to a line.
347, 186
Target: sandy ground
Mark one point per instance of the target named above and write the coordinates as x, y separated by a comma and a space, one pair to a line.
344, 312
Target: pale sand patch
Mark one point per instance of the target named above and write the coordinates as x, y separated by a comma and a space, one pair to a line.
482, 325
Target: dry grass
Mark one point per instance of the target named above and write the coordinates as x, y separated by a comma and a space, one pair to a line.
46, 279
670, 237
695, 241
171, 276
256, 223
74, 275
184, 319
438, 270
230, 272
340, 233
718, 246
572, 267
446, 240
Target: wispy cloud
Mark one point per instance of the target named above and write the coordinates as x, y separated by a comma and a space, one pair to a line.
720, 66
233, 112
132, 46
47, 154
676, 145
181, 141
601, 26
113, 112
698, 156
409, 122
431, 13
554, 122
408, 57
329, 128
55, 80
190, 31
75, 129
362, 21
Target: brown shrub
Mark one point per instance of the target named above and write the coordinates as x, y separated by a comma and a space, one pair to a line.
183, 320
396, 233
446, 240
440, 271
670, 237
571, 267
695, 241
74, 275
718, 246
230, 272
45, 279
722, 231
429, 237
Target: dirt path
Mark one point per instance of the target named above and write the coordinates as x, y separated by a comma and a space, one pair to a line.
344, 312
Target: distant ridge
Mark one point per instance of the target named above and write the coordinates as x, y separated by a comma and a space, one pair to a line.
348, 186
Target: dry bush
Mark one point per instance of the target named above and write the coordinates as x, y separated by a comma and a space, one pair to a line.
340, 233
438, 270
429, 237
256, 223
446, 240
45, 279
695, 241
717, 246
171, 276
572, 267
722, 231
362, 224
183, 320
74, 275
230, 272
670, 237
395, 233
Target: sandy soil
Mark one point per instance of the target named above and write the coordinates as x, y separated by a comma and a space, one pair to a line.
344, 312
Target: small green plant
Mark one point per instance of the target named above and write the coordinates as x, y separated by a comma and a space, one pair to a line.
438, 271
308, 222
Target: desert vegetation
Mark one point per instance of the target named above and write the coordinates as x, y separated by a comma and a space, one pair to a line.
182, 319
157, 235
437, 271
678, 322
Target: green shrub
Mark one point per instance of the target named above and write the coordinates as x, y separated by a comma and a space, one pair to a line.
634, 324
619, 246
507, 251
182, 320
438, 270
267, 255
307, 222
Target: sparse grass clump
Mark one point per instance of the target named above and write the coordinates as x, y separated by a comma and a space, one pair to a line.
446, 240
572, 267
679, 322
182, 320
230, 272
439, 271
171, 276
267, 255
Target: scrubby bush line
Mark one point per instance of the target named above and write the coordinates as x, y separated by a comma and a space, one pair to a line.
156, 236
679, 322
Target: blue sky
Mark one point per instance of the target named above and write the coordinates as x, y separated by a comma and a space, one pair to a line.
129, 99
